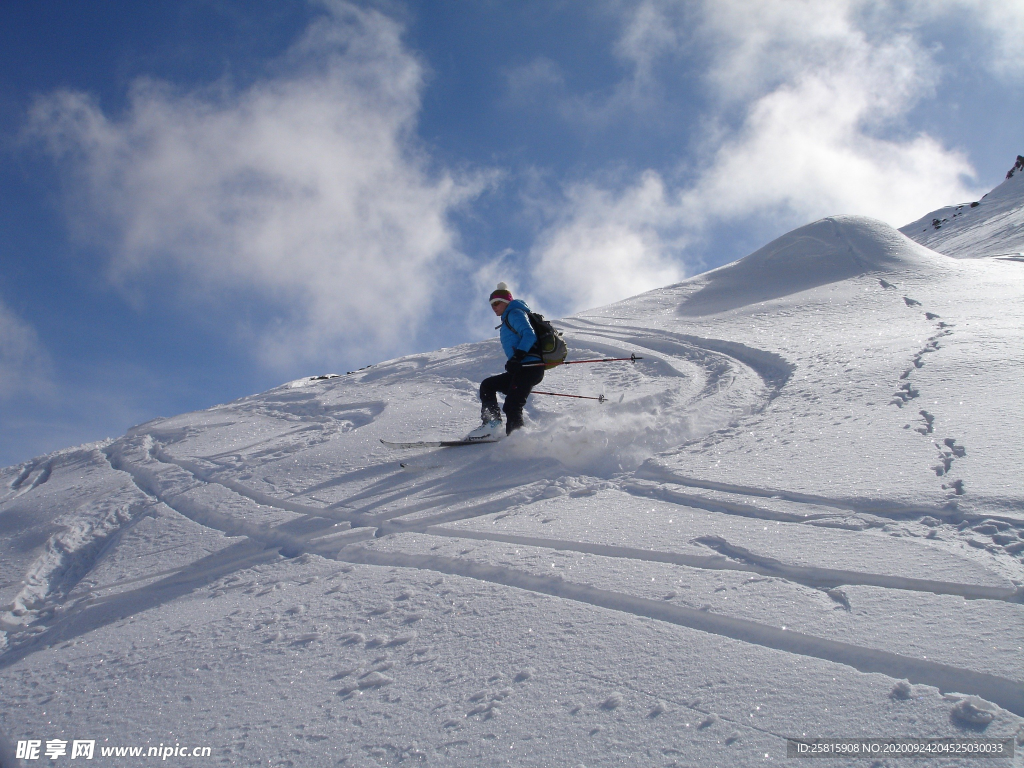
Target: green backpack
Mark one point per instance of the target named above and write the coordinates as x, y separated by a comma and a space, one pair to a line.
550, 346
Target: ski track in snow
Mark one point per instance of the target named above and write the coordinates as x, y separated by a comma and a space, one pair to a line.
1008, 694
737, 558
362, 512
173, 482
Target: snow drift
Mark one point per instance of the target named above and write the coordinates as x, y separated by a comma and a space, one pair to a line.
827, 251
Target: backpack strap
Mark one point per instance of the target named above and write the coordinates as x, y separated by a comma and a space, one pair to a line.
535, 348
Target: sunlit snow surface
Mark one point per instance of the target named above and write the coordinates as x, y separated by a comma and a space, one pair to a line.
808, 490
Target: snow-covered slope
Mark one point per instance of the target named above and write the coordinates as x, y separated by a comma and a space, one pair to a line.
800, 514
990, 227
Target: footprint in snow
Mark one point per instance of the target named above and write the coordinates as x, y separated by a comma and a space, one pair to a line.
614, 701
372, 680
479, 709
901, 691
929, 424
708, 721
345, 672
957, 486
839, 596
525, 674
959, 451
974, 711
375, 680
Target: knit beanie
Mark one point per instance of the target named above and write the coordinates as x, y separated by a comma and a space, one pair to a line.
501, 293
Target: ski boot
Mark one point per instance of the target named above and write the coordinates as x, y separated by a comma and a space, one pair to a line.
491, 428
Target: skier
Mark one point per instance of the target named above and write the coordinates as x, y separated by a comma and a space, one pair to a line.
520, 377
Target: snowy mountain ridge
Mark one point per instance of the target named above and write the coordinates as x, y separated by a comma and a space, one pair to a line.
798, 515
990, 227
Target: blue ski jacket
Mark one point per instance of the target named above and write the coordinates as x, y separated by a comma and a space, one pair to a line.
520, 335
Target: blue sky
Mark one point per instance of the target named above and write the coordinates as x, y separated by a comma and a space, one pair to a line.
202, 199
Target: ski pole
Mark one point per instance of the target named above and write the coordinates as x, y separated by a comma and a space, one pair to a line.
631, 359
599, 398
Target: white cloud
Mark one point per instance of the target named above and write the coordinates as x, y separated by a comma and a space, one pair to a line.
809, 100
814, 147
752, 47
650, 32
607, 246
826, 87
1000, 24
25, 366
1005, 22
304, 190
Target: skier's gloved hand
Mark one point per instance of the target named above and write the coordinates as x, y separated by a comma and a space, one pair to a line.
515, 363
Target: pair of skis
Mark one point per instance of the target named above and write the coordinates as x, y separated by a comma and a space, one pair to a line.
476, 441
440, 443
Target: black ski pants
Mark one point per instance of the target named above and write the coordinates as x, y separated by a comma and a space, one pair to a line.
516, 388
